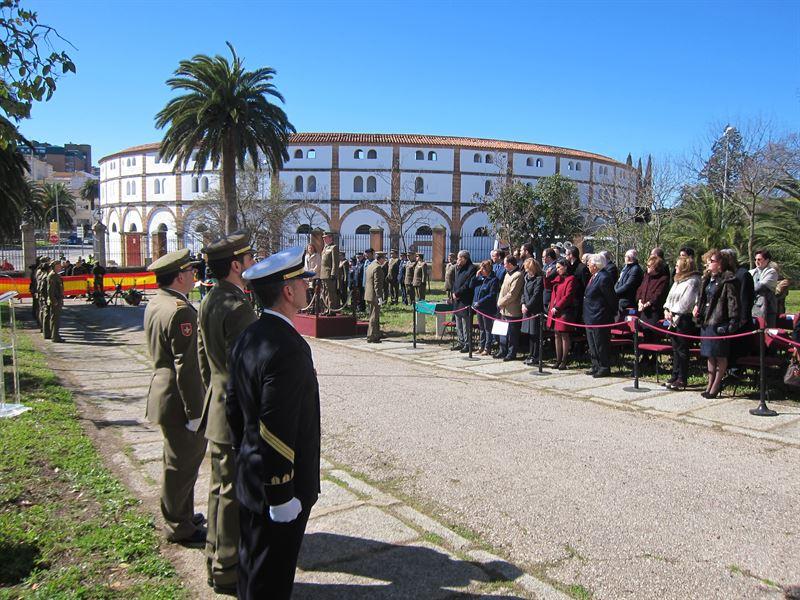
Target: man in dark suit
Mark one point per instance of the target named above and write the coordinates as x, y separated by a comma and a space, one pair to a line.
462, 297
599, 307
273, 410
630, 278
611, 267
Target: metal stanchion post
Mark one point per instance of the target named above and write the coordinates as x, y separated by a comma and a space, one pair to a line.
469, 330
636, 387
540, 316
414, 324
762, 410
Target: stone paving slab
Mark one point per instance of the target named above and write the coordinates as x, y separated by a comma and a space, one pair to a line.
677, 402
736, 412
497, 367
619, 392
791, 430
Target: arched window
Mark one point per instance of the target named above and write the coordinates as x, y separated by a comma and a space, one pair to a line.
195, 185
419, 186
529, 162
162, 228
311, 153
163, 186
204, 184
577, 166
424, 230
362, 230
312, 184
113, 228
128, 162
298, 184
371, 184
431, 155
477, 158
481, 232
539, 162
298, 153
133, 161
489, 159
372, 154
420, 155
487, 188
127, 188
304, 229
358, 154
157, 189
133, 227
133, 187
358, 184
570, 166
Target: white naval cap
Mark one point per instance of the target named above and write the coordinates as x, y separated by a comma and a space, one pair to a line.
283, 265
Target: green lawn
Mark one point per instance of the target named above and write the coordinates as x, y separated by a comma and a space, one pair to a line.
793, 302
68, 528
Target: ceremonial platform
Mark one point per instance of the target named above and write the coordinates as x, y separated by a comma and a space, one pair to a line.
327, 327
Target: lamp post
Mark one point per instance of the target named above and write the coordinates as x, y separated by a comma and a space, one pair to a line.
728, 129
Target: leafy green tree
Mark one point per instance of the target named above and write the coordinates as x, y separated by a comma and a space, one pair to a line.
722, 171
58, 203
695, 222
225, 117
542, 215
90, 192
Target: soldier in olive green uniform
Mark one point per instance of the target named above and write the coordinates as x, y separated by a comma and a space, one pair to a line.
224, 313
41, 292
420, 280
374, 294
175, 398
329, 273
55, 301
408, 281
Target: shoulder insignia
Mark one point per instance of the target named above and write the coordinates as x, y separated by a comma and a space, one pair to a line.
186, 329
279, 480
180, 303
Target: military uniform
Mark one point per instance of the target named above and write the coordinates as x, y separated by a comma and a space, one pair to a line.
408, 281
175, 398
34, 268
328, 275
55, 301
224, 313
41, 292
394, 277
374, 294
273, 409
344, 275
420, 280
449, 278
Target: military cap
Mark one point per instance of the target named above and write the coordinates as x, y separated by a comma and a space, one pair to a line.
393, 251
44, 260
369, 250
281, 266
420, 254
380, 254
172, 262
328, 233
235, 244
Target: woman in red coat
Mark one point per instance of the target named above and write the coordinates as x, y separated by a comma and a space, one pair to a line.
652, 293
564, 306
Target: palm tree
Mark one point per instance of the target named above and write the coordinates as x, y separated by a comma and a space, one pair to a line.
58, 195
225, 116
13, 190
696, 222
90, 191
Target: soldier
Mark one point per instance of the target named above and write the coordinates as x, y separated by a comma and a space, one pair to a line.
394, 276
34, 268
344, 277
420, 280
450, 276
273, 409
41, 291
175, 398
329, 273
408, 281
374, 294
55, 301
224, 313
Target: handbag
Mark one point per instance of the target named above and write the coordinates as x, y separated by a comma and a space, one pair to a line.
792, 376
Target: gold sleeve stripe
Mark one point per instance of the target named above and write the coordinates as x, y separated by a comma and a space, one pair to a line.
294, 273
244, 250
274, 443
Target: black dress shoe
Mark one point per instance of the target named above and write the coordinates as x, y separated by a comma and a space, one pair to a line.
509, 358
198, 519
590, 372
497, 355
225, 590
196, 540
600, 374
464, 350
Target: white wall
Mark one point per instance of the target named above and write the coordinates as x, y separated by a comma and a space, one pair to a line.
582, 175
383, 186
409, 162
133, 217
323, 184
347, 158
437, 187
520, 166
322, 160
361, 217
468, 164
476, 184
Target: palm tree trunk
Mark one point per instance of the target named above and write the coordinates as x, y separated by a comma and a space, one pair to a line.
229, 186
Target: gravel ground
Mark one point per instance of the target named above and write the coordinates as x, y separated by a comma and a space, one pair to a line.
627, 505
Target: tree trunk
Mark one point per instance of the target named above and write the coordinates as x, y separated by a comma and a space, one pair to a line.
750, 248
228, 185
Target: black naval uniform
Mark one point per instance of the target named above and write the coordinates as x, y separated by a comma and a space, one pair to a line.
273, 410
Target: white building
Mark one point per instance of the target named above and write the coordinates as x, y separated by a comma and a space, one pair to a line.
346, 182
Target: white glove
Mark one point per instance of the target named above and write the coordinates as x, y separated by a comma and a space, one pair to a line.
286, 512
193, 424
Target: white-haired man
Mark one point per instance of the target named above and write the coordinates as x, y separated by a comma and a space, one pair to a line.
599, 307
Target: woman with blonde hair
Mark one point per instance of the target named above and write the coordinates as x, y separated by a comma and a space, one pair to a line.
682, 297
486, 286
532, 304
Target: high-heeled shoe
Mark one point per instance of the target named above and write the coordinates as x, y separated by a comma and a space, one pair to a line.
711, 394
562, 366
676, 385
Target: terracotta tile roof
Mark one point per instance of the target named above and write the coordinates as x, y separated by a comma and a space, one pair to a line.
406, 139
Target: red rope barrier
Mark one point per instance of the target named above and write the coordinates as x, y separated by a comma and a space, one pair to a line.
585, 326
699, 337
777, 337
505, 320
449, 312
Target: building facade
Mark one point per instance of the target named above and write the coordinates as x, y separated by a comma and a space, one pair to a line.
404, 185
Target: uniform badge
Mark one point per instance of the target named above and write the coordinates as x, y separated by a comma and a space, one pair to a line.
186, 329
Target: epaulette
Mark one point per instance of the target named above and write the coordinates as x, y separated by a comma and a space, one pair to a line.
180, 303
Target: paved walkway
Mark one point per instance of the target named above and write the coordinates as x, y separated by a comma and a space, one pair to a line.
361, 543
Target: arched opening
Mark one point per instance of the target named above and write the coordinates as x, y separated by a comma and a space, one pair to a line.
298, 184
362, 230
431, 155
371, 184
420, 155
529, 162
298, 153
113, 228
160, 241
195, 185
419, 186
311, 153
577, 166
358, 154
133, 228
477, 158
204, 184
481, 232
157, 189
489, 159
539, 162
312, 184
424, 230
372, 154
358, 185
487, 188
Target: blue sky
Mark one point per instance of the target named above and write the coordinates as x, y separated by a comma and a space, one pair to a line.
613, 78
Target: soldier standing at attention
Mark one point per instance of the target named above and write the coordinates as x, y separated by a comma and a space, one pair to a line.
374, 294
408, 281
343, 279
329, 273
450, 276
273, 409
420, 280
41, 291
394, 276
224, 313
34, 268
175, 399
55, 301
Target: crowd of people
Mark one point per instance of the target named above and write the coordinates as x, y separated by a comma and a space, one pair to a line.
711, 296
